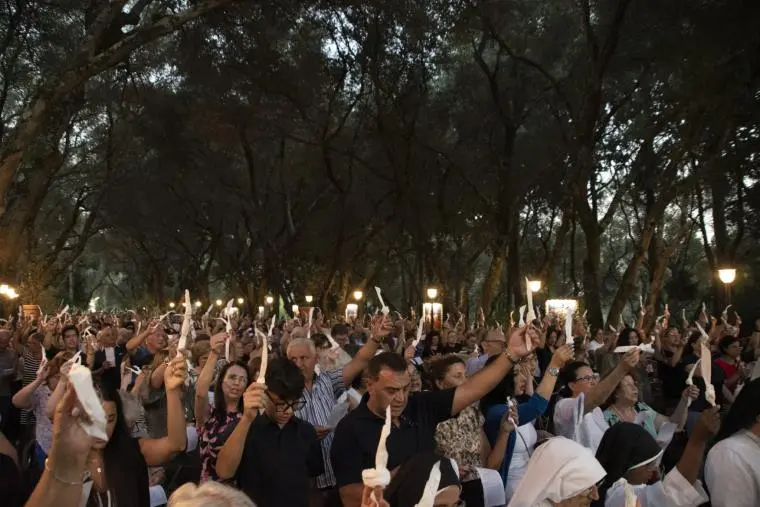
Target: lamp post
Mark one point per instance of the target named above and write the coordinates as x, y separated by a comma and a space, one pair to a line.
172, 305
432, 293
534, 285
269, 300
219, 302
727, 276
309, 299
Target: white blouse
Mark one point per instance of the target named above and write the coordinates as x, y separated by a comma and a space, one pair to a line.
526, 441
732, 471
672, 491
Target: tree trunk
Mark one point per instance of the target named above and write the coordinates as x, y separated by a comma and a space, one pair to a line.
493, 279
593, 298
628, 284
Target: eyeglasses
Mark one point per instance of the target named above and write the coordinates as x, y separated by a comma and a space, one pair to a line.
588, 378
282, 406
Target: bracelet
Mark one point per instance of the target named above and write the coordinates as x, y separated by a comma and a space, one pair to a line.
511, 358
52, 472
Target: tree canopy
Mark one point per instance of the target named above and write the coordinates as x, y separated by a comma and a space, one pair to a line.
608, 148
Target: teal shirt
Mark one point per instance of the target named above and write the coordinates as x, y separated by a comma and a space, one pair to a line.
645, 414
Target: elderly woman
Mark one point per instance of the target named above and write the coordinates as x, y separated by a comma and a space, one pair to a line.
624, 406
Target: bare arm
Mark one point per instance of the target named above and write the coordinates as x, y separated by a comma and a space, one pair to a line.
23, 398
202, 387
607, 385
137, 340
496, 456
360, 361
481, 383
351, 494
559, 358
157, 376
158, 451
231, 452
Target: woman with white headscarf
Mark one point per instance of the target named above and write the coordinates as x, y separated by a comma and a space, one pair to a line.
561, 473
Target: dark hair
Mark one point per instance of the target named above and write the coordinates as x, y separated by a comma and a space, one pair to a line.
125, 467
569, 372
220, 407
389, 360
498, 395
320, 341
693, 338
726, 342
623, 340
440, 367
427, 350
743, 413
37, 336
340, 329
70, 328
285, 379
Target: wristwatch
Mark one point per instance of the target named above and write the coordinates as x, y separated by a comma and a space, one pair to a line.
554, 372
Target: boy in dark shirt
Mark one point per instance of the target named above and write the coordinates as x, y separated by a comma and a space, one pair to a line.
273, 455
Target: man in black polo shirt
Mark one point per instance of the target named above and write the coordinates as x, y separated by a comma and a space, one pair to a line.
273, 455
414, 417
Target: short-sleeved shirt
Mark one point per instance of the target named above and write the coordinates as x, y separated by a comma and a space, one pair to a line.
320, 400
211, 438
277, 463
357, 435
592, 426
31, 365
673, 377
647, 417
459, 438
43, 429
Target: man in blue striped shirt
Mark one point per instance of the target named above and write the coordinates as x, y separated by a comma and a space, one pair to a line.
322, 392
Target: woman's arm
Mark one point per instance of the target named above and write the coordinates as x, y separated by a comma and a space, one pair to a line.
23, 398
204, 384
561, 356
158, 451
231, 452
55, 397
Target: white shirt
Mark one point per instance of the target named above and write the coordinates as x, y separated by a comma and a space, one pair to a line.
587, 430
732, 471
526, 441
673, 491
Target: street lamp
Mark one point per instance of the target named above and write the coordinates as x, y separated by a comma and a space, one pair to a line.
172, 305
358, 295
534, 285
240, 301
261, 310
432, 293
198, 304
309, 299
8, 291
269, 300
219, 302
727, 276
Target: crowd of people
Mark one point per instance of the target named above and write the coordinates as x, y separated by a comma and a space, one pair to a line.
300, 411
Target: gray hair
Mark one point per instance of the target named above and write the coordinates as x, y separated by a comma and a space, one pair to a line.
209, 494
303, 341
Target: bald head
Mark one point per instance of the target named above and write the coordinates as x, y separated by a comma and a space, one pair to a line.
495, 342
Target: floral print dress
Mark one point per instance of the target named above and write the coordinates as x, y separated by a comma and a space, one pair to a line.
212, 436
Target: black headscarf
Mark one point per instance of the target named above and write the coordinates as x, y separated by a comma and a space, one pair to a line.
624, 446
405, 489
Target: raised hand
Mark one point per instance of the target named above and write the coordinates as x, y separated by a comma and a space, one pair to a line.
518, 339
254, 398
631, 358
175, 373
